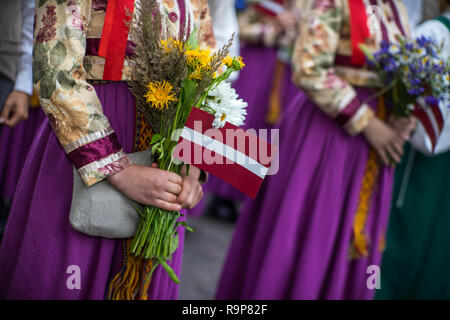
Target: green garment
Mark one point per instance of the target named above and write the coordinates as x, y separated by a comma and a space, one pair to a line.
416, 263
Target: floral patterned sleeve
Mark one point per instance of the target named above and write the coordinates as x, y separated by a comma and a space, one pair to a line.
313, 61
254, 27
71, 104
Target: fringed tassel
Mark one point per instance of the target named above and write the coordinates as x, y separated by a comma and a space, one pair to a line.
360, 244
147, 269
133, 280
274, 111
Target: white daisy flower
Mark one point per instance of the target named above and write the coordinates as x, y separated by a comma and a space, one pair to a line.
223, 99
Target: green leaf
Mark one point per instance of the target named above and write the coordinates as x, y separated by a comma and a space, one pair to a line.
190, 89
58, 54
169, 271
156, 264
155, 138
189, 85
174, 243
184, 224
193, 40
60, 1
154, 149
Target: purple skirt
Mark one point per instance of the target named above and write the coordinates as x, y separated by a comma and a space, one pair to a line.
39, 245
254, 86
14, 146
293, 241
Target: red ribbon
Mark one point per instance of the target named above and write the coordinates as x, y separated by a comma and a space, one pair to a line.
114, 39
359, 31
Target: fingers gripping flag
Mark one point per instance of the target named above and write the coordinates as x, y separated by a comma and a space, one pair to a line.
236, 156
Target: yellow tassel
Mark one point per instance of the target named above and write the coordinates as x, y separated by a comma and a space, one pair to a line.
360, 243
147, 268
129, 283
275, 94
382, 244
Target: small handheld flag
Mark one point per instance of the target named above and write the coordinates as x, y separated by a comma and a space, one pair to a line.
236, 156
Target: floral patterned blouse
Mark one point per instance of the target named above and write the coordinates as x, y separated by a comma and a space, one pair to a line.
323, 51
66, 40
260, 26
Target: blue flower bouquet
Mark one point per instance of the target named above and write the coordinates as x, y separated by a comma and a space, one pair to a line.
411, 70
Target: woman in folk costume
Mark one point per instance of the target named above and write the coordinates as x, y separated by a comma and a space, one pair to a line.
92, 117
318, 223
266, 30
416, 261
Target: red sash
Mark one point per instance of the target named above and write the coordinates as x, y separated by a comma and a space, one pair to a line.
113, 43
359, 31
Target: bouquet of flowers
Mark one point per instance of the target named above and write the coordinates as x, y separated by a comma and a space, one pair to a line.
170, 77
410, 70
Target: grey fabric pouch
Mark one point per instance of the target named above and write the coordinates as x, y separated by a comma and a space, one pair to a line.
103, 211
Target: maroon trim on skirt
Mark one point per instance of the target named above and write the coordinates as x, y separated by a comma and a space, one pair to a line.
92, 45
95, 151
348, 112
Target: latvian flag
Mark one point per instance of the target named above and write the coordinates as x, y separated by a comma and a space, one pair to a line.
236, 156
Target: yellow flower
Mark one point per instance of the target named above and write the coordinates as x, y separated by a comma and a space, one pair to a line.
171, 44
235, 62
228, 61
196, 75
198, 59
240, 62
159, 94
